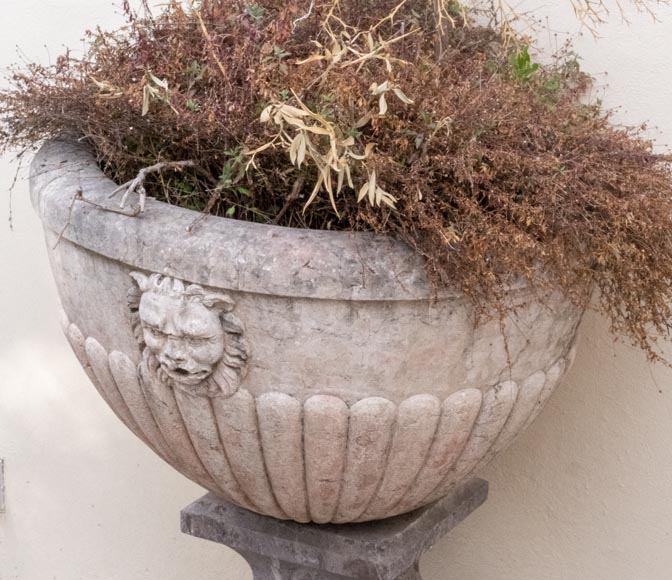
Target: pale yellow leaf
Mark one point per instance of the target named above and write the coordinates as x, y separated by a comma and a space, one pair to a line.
294, 148
387, 199
146, 96
379, 195
316, 190
382, 104
367, 151
365, 120
326, 172
334, 150
347, 173
341, 179
301, 153
159, 82
363, 191
295, 122
317, 130
106, 86
328, 160
402, 97
321, 120
339, 54
333, 204
379, 89
289, 111
372, 188
259, 149
312, 58
266, 114
101, 85
108, 90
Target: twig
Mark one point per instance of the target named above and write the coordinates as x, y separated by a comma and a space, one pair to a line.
214, 198
302, 18
208, 39
291, 198
19, 157
78, 195
137, 184
134, 213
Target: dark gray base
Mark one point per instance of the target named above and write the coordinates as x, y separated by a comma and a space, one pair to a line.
283, 550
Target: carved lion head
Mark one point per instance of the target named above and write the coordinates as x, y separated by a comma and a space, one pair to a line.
191, 339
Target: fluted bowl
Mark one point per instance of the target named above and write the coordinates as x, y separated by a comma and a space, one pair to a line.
306, 375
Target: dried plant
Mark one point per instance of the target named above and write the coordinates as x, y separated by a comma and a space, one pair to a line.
399, 117
590, 13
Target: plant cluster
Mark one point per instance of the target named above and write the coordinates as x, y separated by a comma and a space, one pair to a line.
402, 117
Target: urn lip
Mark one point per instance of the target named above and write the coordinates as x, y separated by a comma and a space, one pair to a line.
222, 252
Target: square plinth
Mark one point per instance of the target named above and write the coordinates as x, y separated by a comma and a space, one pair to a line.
383, 550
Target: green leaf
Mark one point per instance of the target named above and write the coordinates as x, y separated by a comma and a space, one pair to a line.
254, 11
522, 66
233, 152
193, 106
552, 85
280, 53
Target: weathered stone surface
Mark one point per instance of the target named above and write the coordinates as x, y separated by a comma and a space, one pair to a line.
264, 568
301, 374
383, 550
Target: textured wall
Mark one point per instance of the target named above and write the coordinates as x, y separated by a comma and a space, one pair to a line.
586, 493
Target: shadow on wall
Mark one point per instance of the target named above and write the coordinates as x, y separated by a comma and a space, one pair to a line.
586, 490
43, 413
82, 488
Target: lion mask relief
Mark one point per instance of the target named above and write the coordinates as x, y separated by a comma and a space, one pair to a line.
190, 338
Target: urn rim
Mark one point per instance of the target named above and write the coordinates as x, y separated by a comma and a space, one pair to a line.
222, 252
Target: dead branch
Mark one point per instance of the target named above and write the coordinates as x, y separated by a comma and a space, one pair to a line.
137, 184
291, 198
79, 196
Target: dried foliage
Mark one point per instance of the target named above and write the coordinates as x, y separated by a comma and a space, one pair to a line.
401, 117
591, 14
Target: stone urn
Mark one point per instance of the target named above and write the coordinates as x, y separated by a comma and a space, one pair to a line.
305, 375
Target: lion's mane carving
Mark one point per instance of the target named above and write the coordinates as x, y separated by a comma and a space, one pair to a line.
190, 338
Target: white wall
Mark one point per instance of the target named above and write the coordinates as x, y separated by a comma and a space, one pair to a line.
585, 494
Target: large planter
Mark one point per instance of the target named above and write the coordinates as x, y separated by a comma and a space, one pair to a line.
306, 375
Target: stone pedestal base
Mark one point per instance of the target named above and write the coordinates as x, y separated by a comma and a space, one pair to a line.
282, 550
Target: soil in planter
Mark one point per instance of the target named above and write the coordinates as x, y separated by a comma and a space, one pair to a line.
399, 117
